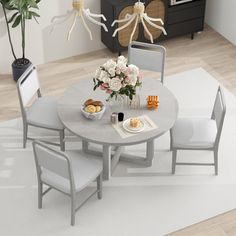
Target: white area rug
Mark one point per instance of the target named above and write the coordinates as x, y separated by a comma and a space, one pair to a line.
136, 201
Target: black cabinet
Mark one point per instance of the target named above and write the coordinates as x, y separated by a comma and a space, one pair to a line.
182, 19
186, 18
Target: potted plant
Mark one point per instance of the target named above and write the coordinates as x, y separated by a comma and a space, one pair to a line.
22, 10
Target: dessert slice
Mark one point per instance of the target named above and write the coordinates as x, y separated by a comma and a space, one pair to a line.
135, 123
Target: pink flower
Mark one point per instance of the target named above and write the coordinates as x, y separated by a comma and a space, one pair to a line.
109, 91
128, 71
104, 86
127, 80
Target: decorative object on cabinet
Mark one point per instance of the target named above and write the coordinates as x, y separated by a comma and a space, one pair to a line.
181, 19
79, 11
139, 16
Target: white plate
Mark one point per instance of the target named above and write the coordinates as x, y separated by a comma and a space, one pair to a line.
127, 127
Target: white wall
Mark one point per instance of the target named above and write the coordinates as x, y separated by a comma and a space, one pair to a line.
221, 16
43, 46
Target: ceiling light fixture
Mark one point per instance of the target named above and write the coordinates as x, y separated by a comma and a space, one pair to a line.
139, 16
79, 11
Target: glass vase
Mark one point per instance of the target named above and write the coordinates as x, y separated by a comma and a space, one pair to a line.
116, 103
135, 102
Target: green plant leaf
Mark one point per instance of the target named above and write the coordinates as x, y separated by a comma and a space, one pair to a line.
12, 17
16, 22
34, 14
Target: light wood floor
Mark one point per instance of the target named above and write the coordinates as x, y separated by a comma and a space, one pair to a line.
209, 50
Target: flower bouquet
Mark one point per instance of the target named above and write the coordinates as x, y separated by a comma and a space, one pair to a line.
117, 78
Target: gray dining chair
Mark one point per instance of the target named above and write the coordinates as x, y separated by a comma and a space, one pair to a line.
147, 57
199, 133
67, 172
42, 112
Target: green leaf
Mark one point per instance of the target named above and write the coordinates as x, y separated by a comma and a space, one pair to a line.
16, 22
34, 14
12, 18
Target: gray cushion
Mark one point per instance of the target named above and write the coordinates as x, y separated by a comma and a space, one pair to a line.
85, 170
194, 133
43, 113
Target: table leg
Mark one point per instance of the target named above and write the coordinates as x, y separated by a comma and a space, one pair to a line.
146, 161
149, 152
106, 162
85, 146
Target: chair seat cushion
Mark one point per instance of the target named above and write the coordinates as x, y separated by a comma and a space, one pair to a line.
194, 133
85, 170
43, 113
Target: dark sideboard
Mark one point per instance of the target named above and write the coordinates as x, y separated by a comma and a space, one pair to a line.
183, 19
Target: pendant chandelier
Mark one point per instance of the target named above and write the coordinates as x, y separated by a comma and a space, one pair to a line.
79, 11
139, 16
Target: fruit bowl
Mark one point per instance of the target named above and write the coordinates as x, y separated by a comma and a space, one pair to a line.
94, 115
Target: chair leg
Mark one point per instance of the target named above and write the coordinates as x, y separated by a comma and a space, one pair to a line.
25, 134
73, 210
174, 156
99, 186
171, 141
216, 161
62, 139
40, 194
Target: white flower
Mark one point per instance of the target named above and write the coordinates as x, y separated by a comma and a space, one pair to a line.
97, 73
121, 66
109, 64
115, 84
133, 80
112, 72
134, 70
104, 77
122, 59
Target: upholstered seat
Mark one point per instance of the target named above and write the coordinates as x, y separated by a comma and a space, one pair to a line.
43, 112
194, 133
85, 170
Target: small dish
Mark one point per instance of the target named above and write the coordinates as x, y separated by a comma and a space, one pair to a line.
93, 116
127, 127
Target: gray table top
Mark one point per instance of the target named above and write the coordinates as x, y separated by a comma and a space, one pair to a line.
101, 131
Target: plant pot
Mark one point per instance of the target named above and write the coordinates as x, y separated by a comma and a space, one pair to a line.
19, 66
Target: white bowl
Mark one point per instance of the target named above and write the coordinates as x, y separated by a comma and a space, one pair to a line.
93, 116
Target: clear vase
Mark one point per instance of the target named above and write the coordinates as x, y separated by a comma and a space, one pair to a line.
116, 103
135, 102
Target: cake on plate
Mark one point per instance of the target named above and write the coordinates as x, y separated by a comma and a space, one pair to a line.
135, 123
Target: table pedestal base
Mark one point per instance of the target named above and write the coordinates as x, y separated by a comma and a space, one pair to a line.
112, 155
146, 161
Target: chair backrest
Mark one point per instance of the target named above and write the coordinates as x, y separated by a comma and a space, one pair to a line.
218, 113
28, 85
147, 57
54, 161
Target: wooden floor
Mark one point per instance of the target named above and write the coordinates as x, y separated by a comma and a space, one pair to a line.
209, 50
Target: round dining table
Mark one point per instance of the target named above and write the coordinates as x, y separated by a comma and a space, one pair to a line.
103, 132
